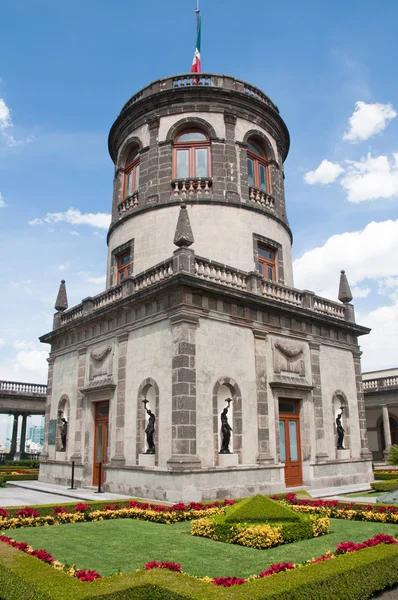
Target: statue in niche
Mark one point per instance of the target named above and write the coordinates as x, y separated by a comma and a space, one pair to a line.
150, 429
340, 430
225, 430
64, 433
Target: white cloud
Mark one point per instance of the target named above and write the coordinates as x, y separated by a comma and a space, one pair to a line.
371, 178
379, 348
2, 342
360, 292
32, 362
75, 217
367, 120
101, 279
2, 202
36, 222
74, 233
366, 254
24, 345
327, 172
63, 267
5, 115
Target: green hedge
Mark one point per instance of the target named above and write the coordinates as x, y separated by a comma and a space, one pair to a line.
10, 469
259, 509
29, 464
385, 475
385, 486
30, 477
354, 576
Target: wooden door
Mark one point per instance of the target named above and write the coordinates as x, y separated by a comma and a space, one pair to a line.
100, 439
289, 436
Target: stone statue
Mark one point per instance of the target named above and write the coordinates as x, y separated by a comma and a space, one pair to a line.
64, 433
340, 431
225, 430
150, 430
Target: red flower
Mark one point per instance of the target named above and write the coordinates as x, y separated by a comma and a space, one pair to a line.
59, 510
4, 513
110, 507
132, 504
87, 575
228, 581
321, 558
27, 512
277, 568
43, 555
81, 507
163, 565
179, 506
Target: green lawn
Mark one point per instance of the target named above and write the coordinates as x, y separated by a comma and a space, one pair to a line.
363, 494
127, 544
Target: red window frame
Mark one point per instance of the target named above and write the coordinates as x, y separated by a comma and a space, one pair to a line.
191, 146
132, 166
123, 268
264, 263
257, 161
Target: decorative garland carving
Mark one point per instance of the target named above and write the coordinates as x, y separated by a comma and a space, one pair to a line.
288, 358
101, 363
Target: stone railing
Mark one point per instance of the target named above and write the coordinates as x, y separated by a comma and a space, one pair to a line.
127, 204
380, 383
276, 291
328, 307
149, 277
72, 314
260, 197
191, 188
219, 273
23, 388
198, 80
111, 295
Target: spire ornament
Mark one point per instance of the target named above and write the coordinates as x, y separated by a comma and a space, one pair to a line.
183, 236
345, 294
61, 302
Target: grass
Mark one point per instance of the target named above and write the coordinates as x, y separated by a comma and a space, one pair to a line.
362, 494
129, 544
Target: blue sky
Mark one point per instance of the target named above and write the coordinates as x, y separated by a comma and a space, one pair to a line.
67, 68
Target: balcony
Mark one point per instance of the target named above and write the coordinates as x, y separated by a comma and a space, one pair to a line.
127, 204
192, 188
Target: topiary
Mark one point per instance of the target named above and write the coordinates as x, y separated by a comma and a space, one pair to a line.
259, 509
392, 455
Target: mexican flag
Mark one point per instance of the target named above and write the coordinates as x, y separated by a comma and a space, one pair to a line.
196, 57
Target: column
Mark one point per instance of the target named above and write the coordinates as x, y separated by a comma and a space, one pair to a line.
13, 448
77, 450
183, 390
386, 426
23, 436
118, 458
231, 158
47, 411
321, 453
365, 452
264, 455
152, 193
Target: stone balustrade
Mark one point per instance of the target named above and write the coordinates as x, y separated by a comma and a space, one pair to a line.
219, 273
23, 388
328, 307
151, 276
260, 197
215, 272
191, 188
380, 383
276, 291
198, 80
127, 204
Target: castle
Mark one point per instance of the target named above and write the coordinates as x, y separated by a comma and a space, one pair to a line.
200, 307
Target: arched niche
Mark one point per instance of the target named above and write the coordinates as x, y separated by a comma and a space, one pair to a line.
148, 390
63, 412
340, 400
224, 388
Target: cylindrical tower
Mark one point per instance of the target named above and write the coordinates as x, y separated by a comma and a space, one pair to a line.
216, 143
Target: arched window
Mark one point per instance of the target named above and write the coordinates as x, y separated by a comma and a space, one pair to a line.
131, 173
191, 155
257, 167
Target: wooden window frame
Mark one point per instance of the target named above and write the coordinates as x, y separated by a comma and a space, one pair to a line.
123, 268
267, 262
131, 167
192, 146
257, 161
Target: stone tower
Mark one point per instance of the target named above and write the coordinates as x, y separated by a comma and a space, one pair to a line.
200, 307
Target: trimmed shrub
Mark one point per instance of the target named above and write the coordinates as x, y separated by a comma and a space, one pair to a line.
385, 486
392, 455
259, 509
29, 464
383, 475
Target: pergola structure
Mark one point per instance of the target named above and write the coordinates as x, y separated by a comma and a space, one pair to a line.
20, 399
